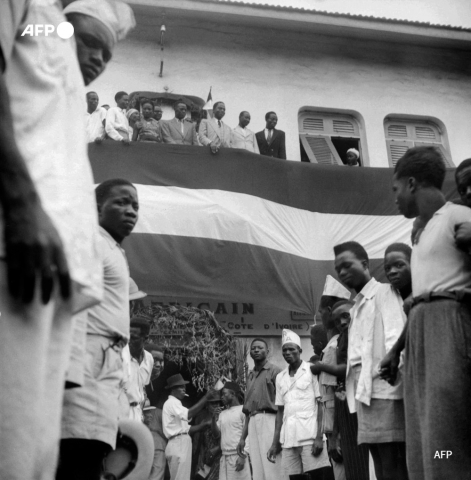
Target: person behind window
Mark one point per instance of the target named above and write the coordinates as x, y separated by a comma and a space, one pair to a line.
353, 155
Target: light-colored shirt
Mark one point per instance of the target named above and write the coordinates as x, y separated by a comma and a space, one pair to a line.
110, 318
437, 264
174, 417
41, 72
94, 124
231, 423
266, 133
299, 396
244, 138
377, 321
329, 357
261, 385
117, 125
139, 376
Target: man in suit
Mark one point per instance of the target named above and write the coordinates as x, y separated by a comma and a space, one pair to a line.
179, 131
271, 141
242, 137
214, 132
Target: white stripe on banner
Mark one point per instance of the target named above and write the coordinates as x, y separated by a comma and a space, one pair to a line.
236, 217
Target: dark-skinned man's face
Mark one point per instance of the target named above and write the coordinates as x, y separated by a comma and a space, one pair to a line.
258, 351
219, 111
92, 101
352, 271
291, 353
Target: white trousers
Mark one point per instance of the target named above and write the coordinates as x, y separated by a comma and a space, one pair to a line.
34, 353
178, 453
227, 468
261, 430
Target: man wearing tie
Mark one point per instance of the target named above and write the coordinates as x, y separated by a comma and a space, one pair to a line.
179, 131
214, 132
242, 137
271, 141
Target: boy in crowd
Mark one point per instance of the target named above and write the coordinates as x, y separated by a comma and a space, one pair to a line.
437, 341
377, 322
228, 425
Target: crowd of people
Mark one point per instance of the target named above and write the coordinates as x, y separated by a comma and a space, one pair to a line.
143, 123
392, 373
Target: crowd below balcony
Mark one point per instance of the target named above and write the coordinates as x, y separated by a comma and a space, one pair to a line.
140, 120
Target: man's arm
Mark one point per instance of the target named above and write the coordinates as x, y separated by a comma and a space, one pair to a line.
245, 432
255, 144
283, 146
110, 127
203, 133
194, 137
276, 446
318, 444
336, 370
389, 365
198, 406
214, 424
33, 246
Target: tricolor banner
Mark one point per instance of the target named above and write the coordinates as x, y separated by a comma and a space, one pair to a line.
242, 227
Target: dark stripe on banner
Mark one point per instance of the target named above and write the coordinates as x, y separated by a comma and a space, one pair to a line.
307, 186
166, 265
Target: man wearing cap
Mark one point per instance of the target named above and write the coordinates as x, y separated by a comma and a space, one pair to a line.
175, 418
228, 425
260, 413
353, 155
299, 419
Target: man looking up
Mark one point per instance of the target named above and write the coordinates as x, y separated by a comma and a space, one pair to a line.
228, 425
117, 124
214, 132
90, 413
377, 321
437, 382
179, 131
95, 119
271, 142
98, 27
299, 419
260, 413
242, 137
175, 418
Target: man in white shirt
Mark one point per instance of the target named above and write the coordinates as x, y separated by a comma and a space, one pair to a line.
242, 137
299, 419
95, 118
90, 413
228, 425
175, 418
117, 124
141, 363
50, 268
437, 380
377, 322
214, 132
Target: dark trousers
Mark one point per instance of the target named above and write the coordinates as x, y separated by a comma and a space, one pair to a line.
81, 459
389, 460
437, 391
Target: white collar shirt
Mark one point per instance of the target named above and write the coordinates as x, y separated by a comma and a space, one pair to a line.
272, 133
110, 318
41, 73
94, 124
437, 264
299, 395
139, 377
216, 122
117, 125
329, 357
377, 322
244, 138
174, 418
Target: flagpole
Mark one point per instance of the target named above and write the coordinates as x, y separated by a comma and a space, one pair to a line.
162, 33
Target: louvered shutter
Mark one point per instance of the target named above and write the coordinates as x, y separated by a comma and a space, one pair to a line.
311, 124
320, 149
445, 156
397, 148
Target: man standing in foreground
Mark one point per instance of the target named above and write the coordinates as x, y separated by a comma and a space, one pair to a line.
260, 413
299, 419
175, 418
437, 373
90, 413
49, 268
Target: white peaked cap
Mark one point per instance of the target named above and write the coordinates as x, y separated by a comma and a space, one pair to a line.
117, 16
290, 337
333, 288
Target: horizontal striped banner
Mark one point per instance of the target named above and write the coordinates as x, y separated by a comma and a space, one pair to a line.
240, 227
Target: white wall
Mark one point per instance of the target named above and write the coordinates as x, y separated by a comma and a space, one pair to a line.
260, 70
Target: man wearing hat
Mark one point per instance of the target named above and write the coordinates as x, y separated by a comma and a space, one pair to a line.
175, 418
228, 425
299, 419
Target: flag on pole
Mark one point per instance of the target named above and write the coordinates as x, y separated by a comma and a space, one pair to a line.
209, 102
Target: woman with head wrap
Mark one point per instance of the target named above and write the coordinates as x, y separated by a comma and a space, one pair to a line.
133, 116
353, 155
147, 129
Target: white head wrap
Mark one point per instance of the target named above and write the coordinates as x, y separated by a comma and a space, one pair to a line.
290, 337
117, 16
354, 151
332, 288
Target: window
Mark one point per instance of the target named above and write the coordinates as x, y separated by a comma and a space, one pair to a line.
402, 134
325, 137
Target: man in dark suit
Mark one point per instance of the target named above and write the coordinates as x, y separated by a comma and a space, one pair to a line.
179, 130
271, 141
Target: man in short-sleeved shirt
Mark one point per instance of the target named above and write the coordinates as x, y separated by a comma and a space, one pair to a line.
95, 118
